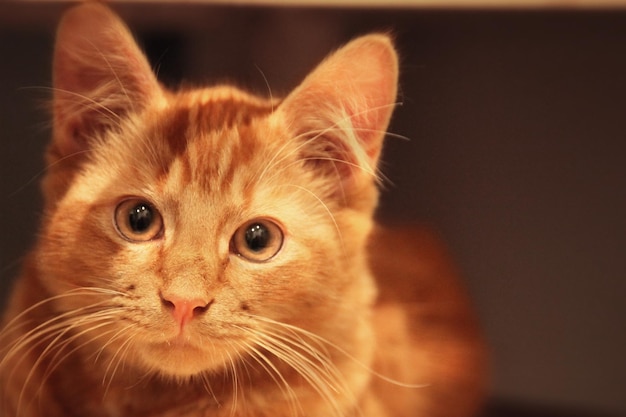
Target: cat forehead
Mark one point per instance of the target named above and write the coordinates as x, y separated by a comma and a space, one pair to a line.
216, 108
202, 114
207, 135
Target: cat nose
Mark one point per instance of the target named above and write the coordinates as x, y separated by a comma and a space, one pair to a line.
184, 309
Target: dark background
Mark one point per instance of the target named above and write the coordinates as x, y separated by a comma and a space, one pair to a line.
517, 150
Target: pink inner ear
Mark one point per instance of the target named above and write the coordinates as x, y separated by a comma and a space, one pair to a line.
358, 81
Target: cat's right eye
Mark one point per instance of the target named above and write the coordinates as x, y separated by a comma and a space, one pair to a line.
137, 220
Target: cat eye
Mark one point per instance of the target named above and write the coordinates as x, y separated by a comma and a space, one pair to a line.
258, 240
137, 220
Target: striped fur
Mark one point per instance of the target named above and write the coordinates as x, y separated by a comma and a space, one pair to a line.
184, 324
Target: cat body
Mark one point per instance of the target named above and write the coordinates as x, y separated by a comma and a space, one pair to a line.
207, 252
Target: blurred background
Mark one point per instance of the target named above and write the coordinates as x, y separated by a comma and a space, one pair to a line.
516, 120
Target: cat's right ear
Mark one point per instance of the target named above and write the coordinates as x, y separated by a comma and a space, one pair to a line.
99, 76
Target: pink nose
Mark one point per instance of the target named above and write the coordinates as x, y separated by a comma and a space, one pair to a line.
184, 310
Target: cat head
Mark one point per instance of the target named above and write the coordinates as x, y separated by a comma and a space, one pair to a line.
186, 225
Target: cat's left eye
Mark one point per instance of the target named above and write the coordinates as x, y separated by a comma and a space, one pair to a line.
258, 240
137, 220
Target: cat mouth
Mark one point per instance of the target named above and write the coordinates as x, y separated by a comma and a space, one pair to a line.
183, 339
181, 357
179, 342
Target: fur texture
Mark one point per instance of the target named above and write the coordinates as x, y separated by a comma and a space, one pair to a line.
204, 252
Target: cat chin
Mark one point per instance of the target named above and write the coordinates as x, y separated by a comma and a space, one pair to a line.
182, 360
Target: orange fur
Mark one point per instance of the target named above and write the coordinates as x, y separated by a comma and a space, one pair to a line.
196, 318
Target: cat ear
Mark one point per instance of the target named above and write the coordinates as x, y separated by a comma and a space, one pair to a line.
342, 109
99, 76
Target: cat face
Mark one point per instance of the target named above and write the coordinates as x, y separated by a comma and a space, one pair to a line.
187, 230
191, 245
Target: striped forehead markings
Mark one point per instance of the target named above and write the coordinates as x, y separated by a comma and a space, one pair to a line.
198, 121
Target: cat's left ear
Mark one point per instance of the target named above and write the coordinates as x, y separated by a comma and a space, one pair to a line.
99, 76
342, 109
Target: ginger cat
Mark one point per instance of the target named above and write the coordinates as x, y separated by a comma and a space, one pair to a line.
208, 252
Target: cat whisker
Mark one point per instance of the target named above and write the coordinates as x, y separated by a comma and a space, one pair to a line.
235, 385
339, 349
207, 385
111, 340
312, 374
95, 320
77, 292
56, 360
209, 388
274, 373
313, 365
52, 336
118, 358
56, 340
44, 332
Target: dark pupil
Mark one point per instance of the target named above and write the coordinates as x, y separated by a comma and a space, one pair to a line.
140, 218
257, 237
